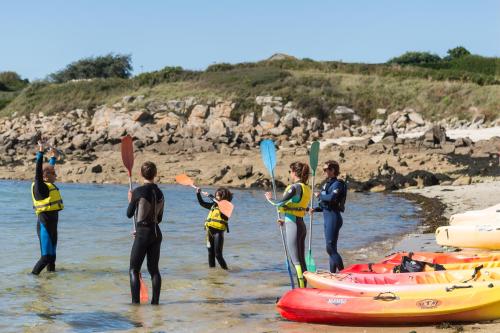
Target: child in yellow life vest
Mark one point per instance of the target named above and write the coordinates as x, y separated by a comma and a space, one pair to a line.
215, 224
294, 205
47, 202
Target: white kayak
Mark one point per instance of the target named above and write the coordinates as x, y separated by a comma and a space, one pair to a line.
479, 236
473, 216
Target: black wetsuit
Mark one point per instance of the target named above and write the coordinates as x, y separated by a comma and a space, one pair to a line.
46, 226
215, 236
147, 206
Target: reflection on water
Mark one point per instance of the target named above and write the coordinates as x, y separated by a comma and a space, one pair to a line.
90, 290
87, 322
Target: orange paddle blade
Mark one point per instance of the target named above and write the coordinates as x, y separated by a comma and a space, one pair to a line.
127, 148
144, 290
225, 207
184, 179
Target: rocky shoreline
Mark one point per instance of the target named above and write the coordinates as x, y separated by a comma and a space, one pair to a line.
208, 141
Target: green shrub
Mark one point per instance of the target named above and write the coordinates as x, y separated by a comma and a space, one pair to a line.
457, 52
222, 67
108, 66
11, 81
415, 58
166, 75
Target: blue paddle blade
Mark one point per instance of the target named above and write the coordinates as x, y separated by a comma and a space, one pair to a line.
268, 152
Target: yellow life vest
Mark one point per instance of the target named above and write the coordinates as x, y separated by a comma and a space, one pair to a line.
215, 219
53, 202
297, 208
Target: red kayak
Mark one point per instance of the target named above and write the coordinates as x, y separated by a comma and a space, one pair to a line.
387, 264
480, 302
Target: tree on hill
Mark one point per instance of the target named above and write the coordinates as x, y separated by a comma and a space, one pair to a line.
11, 81
108, 66
415, 58
457, 52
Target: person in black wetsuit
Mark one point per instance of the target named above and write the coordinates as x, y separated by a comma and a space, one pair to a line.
146, 204
47, 203
215, 225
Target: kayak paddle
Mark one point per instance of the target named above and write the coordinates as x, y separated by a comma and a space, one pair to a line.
225, 206
268, 153
313, 162
143, 290
127, 148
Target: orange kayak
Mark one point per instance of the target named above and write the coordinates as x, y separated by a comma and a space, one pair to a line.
387, 264
392, 282
331, 307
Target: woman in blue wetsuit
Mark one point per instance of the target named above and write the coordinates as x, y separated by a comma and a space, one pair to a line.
332, 202
294, 206
47, 202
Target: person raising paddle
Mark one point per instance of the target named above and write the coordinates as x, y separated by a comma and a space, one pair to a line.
294, 205
215, 225
47, 202
146, 203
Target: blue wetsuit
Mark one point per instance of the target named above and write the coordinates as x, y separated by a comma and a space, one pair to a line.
46, 226
332, 192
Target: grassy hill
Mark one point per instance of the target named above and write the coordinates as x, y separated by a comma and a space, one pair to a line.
437, 90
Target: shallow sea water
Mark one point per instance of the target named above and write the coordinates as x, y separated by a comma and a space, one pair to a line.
90, 290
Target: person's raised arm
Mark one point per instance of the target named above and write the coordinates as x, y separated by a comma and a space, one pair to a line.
203, 203
40, 189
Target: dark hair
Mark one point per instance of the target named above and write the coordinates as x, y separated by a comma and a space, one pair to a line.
301, 170
225, 194
148, 170
333, 165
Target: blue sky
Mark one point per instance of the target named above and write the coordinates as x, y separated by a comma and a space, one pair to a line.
40, 37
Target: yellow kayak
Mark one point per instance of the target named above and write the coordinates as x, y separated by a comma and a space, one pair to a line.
399, 282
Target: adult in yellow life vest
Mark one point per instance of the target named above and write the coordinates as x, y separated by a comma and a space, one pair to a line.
294, 206
216, 224
47, 202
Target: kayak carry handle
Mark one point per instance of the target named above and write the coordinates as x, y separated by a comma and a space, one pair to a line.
458, 287
386, 297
